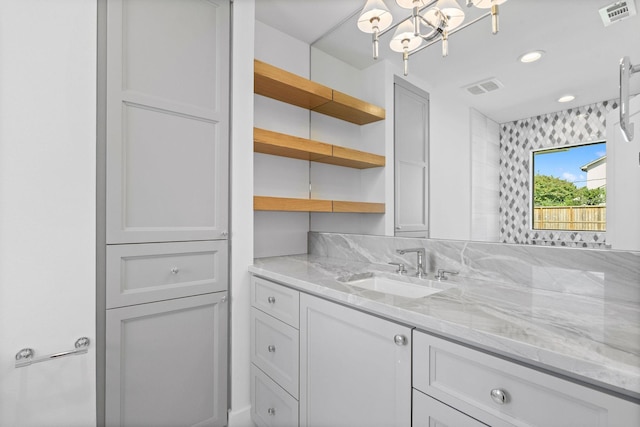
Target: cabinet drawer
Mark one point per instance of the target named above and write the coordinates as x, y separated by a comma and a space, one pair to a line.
465, 379
428, 412
277, 300
271, 405
144, 273
274, 349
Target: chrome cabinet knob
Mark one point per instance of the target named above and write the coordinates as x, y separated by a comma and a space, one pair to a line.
175, 270
271, 411
271, 349
499, 396
271, 300
400, 339
224, 233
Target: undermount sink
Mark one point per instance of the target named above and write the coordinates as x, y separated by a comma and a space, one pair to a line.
389, 286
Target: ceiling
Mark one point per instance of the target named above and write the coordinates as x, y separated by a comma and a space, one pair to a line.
582, 55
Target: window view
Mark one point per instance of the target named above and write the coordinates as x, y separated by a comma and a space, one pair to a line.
569, 188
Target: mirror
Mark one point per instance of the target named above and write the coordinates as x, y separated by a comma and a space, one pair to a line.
580, 57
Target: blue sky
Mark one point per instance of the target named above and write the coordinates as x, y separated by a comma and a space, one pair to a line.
566, 164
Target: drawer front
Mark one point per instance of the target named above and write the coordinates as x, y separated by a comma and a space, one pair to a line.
142, 273
277, 300
428, 412
271, 406
466, 379
274, 349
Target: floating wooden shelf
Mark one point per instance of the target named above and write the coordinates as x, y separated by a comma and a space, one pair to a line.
287, 87
280, 144
284, 86
264, 203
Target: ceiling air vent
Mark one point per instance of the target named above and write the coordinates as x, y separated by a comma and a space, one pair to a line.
484, 86
617, 11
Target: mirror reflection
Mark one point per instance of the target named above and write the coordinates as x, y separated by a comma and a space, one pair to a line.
491, 105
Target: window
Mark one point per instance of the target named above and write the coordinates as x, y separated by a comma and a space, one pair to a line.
569, 187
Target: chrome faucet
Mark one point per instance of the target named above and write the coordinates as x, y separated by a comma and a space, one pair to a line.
421, 257
442, 274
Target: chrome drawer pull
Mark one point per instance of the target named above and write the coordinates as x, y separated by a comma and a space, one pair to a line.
271, 300
271, 411
400, 339
271, 348
499, 396
175, 270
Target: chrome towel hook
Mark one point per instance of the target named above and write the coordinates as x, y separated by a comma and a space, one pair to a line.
25, 357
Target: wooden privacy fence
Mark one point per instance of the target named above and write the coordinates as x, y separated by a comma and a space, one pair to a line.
570, 218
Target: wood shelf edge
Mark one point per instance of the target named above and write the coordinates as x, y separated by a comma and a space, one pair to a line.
279, 84
280, 144
288, 204
267, 203
358, 207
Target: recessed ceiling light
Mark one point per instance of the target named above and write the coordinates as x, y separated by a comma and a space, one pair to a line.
532, 56
566, 98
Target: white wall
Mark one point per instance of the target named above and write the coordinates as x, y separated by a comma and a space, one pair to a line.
280, 233
47, 209
485, 178
341, 183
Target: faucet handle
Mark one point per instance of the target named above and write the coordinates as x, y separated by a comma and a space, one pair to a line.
401, 268
442, 274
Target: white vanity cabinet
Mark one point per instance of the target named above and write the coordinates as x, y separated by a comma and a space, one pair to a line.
498, 392
318, 363
355, 368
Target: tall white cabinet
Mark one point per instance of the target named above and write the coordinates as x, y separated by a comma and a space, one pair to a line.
166, 117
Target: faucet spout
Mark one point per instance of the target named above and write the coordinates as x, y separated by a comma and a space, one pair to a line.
421, 253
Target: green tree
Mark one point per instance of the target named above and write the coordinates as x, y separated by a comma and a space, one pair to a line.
552, 191
592, 197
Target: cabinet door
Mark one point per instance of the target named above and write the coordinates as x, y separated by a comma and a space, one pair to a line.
166, 363
352, 372
411, 148
167, 120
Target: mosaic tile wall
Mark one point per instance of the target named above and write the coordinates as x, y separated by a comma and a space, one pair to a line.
517, 139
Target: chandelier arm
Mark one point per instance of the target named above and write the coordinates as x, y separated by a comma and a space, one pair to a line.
479, 18
394, 26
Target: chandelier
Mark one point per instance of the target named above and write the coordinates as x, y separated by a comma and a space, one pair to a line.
437, 18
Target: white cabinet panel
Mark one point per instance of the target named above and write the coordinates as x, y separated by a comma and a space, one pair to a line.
271, 405
411, 150
166, 363
352, 371
274, 349
167, 120
279, 301
150, 272
465, 378
154, 61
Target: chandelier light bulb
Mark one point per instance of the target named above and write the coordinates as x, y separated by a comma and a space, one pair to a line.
375, 17
404, 38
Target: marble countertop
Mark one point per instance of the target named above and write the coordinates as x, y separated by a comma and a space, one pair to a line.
590, 339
